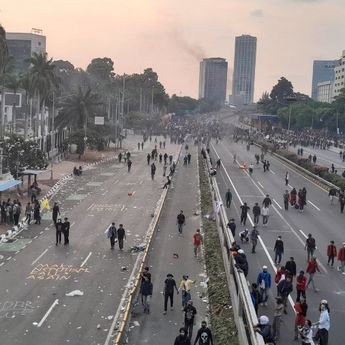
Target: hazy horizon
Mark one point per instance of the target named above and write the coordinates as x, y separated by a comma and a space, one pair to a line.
172, 39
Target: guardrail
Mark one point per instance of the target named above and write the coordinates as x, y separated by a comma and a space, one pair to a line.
132, 290
237, 283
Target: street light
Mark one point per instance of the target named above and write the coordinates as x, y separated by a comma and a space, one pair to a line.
290, 99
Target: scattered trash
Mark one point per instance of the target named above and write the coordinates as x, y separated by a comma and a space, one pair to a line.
136, 323
98, 326
35, 323
110, 317
75, 293
124, 268
175, 256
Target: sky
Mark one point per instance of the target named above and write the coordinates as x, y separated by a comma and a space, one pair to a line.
172, 36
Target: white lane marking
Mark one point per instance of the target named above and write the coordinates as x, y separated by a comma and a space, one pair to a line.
48, 312
35, 237
1, 264
313, 205
123, 207
39, 257
9, 258
90, 206
87, 258
260, 185
304, 235
72, 224
272, 172
274, 200
290, 185
133, 193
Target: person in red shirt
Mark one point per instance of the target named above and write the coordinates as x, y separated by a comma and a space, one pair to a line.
311, 270
331, 253
197, 241
301, 283
341, 258
299, 319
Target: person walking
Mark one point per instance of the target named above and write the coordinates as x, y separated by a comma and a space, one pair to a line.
59, 228
28, 211
121, 235
185, 287
17, 210
232, 226
197, 241
153, 171
228, 198
148, 158
168, 292
256, 213
342, 200
189, 318
146, 294
278, 250
254, 236
301, 285
182, 338
267, 201
284, 289
241, 262
65, 230
286, 197
244, 213
341, 258
265, 215
129, 165
323, 324
312, 268
37, 212
204, 335
310, 246
277, 318
56, 212
264, 283
299, 319
112, 235
287, 178
181, 220
331, 194
306, 333
331, 253
255, 295
290, 266
165, 166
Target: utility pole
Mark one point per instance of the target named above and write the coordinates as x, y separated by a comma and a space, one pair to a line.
1, 152
52, 138
141, 100
122, 107
152, 100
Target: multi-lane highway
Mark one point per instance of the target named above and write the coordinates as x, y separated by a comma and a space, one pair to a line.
319, 218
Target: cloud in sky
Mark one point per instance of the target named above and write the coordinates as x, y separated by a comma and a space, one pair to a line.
171, 36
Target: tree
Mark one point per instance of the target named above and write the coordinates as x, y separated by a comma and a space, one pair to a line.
13, 83
101, 69
281, 91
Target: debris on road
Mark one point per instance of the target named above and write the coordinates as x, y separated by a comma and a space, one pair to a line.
75, 293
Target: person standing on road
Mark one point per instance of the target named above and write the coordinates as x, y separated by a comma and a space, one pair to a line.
189, 318
284, 289
204, 335
121, 235
37, 212
112, 235
312, 267
301, 285
341, 258
286, 200
310, 246
65, 229
153, 171
197, 241
254, 236
331, 194
277, 317
182, 338
244, 213
28, 211
331, 253
146, 294
129, 165
306, 333
256, 213
287, 178
290, 266
264, 283
56, 212
255, 295
342, 200
299, 318
232, 226
228, 198
278, 250
59, 228
265, 215
323, 324
185, 287
267, 201
181, 220
168, 292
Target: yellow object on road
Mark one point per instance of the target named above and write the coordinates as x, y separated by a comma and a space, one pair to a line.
45, 204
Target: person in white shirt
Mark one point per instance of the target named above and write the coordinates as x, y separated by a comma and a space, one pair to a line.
265, 214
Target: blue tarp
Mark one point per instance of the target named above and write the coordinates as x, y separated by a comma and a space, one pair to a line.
9, 184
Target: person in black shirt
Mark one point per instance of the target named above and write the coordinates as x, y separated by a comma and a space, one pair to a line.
244, 212
56, 212
278, 250
291, 266
59, 228
169, 286
182, 338
121, 235
65, 230
189, 316
181, 219
256, 213
204, 335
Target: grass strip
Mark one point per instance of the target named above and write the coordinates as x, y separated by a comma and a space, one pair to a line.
221, 313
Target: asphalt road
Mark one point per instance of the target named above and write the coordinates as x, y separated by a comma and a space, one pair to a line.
320, 218
36, 275
156, 328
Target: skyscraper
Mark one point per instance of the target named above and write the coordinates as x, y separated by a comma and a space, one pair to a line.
323, 70
244, 70
22, 45
212, 80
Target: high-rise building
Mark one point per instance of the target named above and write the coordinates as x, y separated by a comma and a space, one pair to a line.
212, 80
22, 45
244, 70
339, 76
323, 70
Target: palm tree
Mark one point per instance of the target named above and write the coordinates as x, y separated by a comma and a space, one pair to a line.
43, 80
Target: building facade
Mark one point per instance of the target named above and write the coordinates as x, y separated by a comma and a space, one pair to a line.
325, 91
244, 70
339, 76
323, 70
212, 80
22, 45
